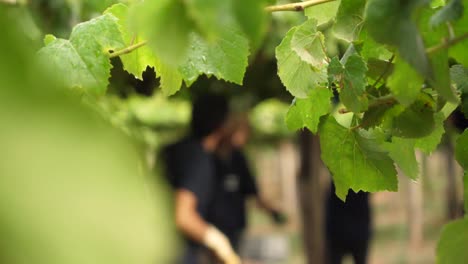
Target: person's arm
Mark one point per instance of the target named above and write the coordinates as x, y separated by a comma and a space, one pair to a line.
186, 216
194, 226
250, 188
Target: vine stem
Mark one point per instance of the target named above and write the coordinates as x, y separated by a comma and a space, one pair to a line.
383, 100
127, 49
387, 68
447, 44
300, 6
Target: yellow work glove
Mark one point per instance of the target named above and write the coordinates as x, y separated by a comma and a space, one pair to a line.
219, 244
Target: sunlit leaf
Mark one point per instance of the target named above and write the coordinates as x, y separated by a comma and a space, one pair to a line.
356, 161
298, 76
307, 112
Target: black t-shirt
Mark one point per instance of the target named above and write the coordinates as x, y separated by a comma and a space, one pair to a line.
234, 184
190, 167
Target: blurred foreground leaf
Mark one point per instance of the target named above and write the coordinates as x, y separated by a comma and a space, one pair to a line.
73, 190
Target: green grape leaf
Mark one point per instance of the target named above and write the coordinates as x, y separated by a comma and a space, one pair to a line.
138, 60
405, 83
309, 44
298, 76
213, 16
429, 143
437, 3
375, 115
102, 30
253, 20
166, 25
461, 150
83, 61
323, 13
440, 78
354, 84
49, 39
226, 57
464, 104
171, 78
415, 121
452, 11
356, 161
335, 68
458, 51
459, 76
307, 112
402, 152
379, 69
451, 248
390, 22
351, 50
465, 188
349, 19
370, 48
82, 181
61, 56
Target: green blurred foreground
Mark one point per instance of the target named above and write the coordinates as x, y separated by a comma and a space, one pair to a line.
72, 189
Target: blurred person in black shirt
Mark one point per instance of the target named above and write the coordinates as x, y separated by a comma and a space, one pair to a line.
190, 168
348, 226
235, 183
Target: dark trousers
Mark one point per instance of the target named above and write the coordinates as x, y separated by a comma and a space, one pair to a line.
337, 250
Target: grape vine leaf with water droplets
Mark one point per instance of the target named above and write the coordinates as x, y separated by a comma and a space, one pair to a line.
83, 60
298, 76
349, 19
307, 112
356, 161
226, 57
138, 60
166, 25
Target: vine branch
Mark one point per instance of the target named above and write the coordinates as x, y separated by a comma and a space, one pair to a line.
383, 100
387, 68
300, 6
446, 44
127, 49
